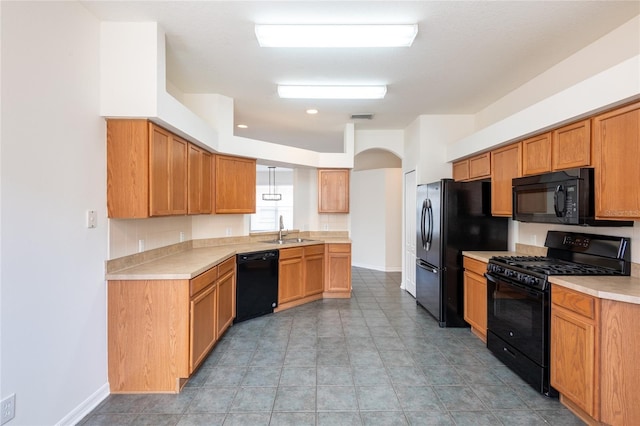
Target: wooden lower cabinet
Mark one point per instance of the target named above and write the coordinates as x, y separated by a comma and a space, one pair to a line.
337, 281
475, 296
226, 283
594, 348
574, 339
202, 325
290, 275
313, 270
300, 275
159, 331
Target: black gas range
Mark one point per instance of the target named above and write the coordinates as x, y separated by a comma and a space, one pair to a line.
518, 297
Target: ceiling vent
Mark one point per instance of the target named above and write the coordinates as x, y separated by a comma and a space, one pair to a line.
362, 116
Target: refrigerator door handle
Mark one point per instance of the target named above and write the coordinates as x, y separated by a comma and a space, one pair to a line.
430, 231
422, 221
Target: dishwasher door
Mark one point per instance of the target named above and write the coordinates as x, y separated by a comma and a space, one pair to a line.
256, 284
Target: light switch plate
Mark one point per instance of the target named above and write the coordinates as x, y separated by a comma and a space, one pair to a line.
92, 219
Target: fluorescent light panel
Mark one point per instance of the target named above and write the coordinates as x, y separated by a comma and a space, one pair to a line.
332, 92
336, 35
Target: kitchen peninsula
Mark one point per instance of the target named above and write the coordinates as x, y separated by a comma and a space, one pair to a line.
168, 307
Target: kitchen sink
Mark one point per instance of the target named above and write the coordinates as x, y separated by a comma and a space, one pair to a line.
288, 241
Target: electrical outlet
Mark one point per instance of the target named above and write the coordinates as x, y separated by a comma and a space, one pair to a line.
181, 236
8, 408
325, 227
228, 232
140, 246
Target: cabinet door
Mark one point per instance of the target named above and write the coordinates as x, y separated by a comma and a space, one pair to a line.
226, 301
159, 171
179, 178
313, 270
199, 183
206, 188
461, 170
573, 353
536, 155
195, 179
333, 191
202, 325
572, 146
127, 169
475, 302
338, 272
235, 185
506, 164
616, 139
480, 166
290, 275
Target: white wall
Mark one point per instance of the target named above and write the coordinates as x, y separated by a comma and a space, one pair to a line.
426, 142
542, 103
54, 353
376, 228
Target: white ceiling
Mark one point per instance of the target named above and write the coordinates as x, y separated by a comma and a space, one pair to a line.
467, 55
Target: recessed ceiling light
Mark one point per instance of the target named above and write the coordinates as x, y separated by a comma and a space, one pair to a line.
336, 35
242, 126
332, 92
312, 111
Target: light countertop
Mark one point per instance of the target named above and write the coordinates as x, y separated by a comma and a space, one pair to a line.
187, 264
622, 289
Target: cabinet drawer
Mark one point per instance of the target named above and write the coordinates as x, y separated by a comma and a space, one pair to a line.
574, 301
226, 266
339, 248
290, 253
474, 265
201, 281
311, 250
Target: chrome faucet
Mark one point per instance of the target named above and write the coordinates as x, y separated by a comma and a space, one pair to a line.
280, 234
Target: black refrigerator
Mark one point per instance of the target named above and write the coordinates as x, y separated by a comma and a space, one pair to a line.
452, 217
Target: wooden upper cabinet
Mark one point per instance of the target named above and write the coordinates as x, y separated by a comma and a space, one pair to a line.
146, 170
480, 166
178, 175
200, 184
572, 146
460, 170
235, 184
506, 164
616, 143
536, 155
333, 190
477, 167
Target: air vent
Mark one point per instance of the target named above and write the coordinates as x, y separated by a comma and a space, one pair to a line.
362, 116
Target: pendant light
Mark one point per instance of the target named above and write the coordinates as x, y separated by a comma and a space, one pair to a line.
272, 195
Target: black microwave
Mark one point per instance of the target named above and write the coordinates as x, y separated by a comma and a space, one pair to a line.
565, 197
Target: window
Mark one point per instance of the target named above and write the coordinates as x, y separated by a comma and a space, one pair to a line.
268, 212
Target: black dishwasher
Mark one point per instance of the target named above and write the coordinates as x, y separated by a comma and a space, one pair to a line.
256, 284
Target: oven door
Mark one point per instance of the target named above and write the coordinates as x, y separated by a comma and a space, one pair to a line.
519, 315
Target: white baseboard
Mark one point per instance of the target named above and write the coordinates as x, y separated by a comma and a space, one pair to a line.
378, 267
85, 407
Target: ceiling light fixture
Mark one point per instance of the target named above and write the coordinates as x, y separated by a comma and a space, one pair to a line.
242, 126
332, 92
336, 35
312, 111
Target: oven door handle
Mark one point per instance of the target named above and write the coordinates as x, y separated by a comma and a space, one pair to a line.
532, 291
560, 212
